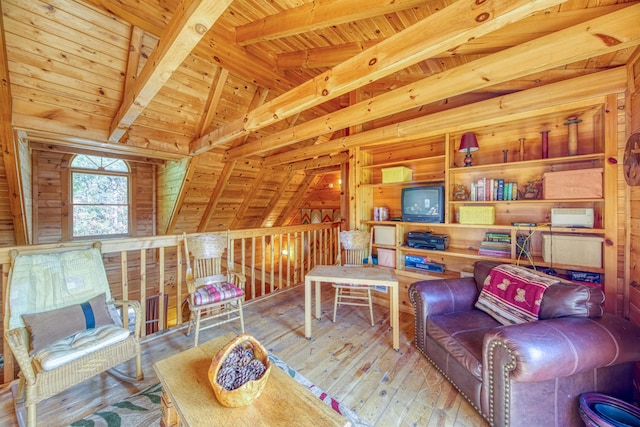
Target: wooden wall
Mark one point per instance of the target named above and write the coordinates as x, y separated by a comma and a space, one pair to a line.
632, 234
51, 179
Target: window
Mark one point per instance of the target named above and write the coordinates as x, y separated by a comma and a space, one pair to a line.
100, 196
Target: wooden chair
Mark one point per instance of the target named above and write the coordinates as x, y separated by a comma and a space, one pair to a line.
216, 295
59, 326
354, 248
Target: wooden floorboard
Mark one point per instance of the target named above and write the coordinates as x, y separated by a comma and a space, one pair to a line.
349, 359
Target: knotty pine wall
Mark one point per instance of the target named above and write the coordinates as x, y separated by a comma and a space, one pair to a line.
632, 249
50, 193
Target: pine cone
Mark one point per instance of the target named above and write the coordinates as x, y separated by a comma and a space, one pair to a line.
246, 357
256, 369
243, 375
227, 376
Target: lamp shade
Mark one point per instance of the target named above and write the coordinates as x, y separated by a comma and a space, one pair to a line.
468, 142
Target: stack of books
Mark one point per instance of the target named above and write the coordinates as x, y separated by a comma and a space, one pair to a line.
496, 245
485, 190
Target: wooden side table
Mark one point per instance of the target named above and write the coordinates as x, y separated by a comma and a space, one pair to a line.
188, 398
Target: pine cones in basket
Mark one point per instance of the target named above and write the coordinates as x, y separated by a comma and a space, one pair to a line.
238, 373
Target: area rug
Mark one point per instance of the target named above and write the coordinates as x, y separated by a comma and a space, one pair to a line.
143, 409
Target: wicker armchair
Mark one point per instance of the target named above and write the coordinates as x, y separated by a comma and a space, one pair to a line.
59, 326
355, 247
213, 294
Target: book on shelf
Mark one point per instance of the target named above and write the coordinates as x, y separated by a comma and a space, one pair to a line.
493, 189
493, 253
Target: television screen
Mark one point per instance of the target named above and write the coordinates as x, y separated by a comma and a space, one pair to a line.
423, 204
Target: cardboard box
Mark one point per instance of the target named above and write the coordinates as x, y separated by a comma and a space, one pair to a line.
387, 257
572, 249
396, 174
384, 235
574, 184
483, 215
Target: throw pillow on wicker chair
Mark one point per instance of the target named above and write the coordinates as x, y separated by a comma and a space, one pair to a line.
48, 327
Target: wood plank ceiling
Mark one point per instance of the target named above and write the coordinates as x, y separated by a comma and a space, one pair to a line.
247, 102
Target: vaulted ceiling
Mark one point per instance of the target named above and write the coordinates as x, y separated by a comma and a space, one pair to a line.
271, 91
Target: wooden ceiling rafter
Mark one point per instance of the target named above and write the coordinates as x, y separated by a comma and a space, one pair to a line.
147, 19
182, 193
484, 113
329, 56
133, 59
595, 37
219, 80
60, 148
258, 99
252, 191
316, 15
188, 25
320, 162
277, 196
221, 184
444, 30
8, 142
287, 214
321, 57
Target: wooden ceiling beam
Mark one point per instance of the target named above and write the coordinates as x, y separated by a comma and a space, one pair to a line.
152, 20
446, 29
538, 25
221, 184
218, 82
65, 149
484, 113
273, 202
316, 15
287, 214
322, 56
10, 154
615, 31
320, 163
188, 25
182, 193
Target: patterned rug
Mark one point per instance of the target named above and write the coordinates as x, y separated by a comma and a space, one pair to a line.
143, 409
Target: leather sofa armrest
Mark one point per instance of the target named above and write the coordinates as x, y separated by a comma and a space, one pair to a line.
547, 349
440, 296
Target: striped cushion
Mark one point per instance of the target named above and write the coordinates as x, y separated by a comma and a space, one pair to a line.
215, 293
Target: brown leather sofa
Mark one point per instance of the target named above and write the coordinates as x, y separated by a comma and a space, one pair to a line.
528, 374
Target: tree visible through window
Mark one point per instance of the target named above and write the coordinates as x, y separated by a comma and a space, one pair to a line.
100, 196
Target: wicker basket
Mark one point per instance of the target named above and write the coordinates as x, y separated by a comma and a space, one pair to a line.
249, 391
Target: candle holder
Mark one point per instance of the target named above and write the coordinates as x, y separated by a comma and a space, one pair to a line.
522, 140
505, 156
545, 144
572, 123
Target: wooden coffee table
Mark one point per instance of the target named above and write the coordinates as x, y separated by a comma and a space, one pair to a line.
188, 399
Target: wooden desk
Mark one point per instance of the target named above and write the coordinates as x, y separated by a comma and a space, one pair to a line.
186, 387
359, 275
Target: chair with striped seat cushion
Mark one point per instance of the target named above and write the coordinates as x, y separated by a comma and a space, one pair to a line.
216, 292
214, 296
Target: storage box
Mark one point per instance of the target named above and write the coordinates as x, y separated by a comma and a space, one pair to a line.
384, 235
574, 184
572, 249
484, 215
387, 257
396, 174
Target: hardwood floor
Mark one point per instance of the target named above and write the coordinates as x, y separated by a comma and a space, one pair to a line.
350, 360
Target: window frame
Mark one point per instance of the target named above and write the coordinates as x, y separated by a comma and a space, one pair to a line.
103, 172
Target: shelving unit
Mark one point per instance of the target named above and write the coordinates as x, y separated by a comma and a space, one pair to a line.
442, 164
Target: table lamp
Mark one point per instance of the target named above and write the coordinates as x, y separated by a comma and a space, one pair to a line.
468, 143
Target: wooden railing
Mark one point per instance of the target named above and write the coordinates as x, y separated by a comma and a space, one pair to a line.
151, 269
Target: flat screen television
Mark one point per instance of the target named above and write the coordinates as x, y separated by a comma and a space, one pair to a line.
423, 204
